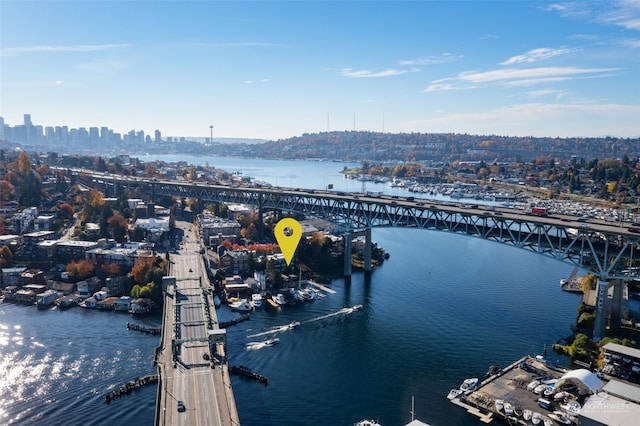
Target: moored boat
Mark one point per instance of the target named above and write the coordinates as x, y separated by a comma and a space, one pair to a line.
454, 393
216, 301
499, 403
526, 414
280, 299
469, 384
256, 300
240, 306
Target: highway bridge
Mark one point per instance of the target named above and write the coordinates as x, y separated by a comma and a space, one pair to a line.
607, 249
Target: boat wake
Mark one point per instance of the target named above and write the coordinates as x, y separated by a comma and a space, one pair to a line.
343, 311
252, 346
276, 329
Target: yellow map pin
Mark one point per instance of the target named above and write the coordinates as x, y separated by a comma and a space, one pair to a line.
288, 233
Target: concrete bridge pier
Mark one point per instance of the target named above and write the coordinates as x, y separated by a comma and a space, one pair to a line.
347, 254
616, 305
367, 250
348, 237
601, 309
604, 306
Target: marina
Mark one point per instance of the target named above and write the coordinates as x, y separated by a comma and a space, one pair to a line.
529, 391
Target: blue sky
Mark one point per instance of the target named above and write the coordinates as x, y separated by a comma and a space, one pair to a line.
276, 69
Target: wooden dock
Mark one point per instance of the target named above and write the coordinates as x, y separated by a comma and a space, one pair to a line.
321, 287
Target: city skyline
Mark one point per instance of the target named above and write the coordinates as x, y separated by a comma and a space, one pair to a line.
275, 69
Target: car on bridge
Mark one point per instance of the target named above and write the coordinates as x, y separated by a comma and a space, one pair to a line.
181, 407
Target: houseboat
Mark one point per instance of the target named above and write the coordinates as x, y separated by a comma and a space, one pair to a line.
46, 299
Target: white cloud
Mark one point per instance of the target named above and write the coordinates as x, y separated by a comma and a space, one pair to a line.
622, 13
430, 60
59, 82
513, 76
16, 51
539, 119
535, 55
348, 72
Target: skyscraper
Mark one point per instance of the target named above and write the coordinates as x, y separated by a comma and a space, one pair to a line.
27, 120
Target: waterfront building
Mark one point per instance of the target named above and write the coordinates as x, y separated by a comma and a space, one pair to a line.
11, 276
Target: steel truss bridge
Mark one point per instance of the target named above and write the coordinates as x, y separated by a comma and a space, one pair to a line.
608, 250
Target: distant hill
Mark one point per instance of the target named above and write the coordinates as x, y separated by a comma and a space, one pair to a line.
386, 147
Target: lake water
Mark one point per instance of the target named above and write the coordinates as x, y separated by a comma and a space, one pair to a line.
442, 308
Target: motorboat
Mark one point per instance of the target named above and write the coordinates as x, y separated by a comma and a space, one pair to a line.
545, 403
560, 396
293, 324
572, 408
454, 393
240, 306
280, 299
549, 391
536, 418
534, 384
256, 300
508, 408
366, 422
539, 389
526, 414
272, 341
356, 307
499, 404
469, 384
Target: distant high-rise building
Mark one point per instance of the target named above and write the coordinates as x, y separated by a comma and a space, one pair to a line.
158, 136
94, 134
1, 128
27, 127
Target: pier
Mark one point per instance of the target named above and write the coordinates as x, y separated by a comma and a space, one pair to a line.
129, 387
142, 328
238, 320
243, 371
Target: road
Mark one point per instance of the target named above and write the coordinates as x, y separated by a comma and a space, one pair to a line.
197, 375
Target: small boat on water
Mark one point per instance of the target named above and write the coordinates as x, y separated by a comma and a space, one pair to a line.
366, 422
280, 299
454, 393
240, 306
256, 300
272, 341
293, 324
356, 307
469, 384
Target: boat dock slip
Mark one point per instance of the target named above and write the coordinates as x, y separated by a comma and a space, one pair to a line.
508, 395
321, 287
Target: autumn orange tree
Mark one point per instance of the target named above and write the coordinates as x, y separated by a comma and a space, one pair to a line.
141, 267
81, 269
6, 256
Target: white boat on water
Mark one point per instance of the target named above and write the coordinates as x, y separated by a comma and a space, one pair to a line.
366, 422
272, 341
356, 307
280, 299
469, 384
240, 306
256, 300
293, 324
454, 393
